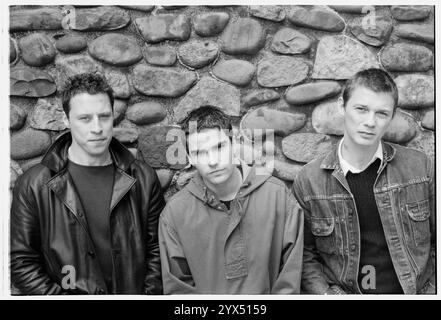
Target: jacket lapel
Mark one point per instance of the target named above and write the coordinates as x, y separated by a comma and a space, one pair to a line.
122, 184
64, 188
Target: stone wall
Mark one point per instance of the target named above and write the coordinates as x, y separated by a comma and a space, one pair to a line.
271, 67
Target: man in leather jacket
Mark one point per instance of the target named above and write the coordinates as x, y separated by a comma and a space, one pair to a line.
85, 219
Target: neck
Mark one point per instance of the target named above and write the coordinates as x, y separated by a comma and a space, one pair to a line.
356, 155
78, 157
227, 190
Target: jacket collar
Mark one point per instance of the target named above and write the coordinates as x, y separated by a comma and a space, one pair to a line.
331, 160
56, 157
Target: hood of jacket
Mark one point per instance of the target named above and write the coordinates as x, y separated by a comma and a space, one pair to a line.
251, 180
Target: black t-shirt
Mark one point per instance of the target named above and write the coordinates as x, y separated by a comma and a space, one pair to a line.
94, 185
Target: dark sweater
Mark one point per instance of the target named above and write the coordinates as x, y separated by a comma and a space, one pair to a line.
94, 186
374, 256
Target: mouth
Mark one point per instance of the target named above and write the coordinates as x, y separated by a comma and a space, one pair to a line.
97, 140
366, 134
216, 171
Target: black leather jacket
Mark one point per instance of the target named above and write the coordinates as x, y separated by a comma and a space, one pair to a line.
51, 248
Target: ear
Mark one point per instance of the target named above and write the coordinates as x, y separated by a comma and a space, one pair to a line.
66, 121
340, 105
190, 160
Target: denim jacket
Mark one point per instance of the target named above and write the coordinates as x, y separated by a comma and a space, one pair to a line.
405, 195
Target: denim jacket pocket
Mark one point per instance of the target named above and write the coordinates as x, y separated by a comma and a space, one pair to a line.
419, 213
322, 229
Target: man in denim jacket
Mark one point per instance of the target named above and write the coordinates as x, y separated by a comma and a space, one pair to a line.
369, 205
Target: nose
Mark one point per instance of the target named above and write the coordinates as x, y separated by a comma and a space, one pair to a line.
370, 120
96, 126
213, 159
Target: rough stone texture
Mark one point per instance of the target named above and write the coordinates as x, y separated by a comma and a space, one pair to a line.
165, 177
319, 18
48, 114
244, 36
163, 82
101, 18
119, 110
146, 112
283, 123
424, 33
35, 19
197, 54
273, 13
425, 142
164, 27
415, 91
210, 24
407, 13
72, 65
253, 36
375, 34
259, 96
157, 145
348, 9
237, 72
119, 83
29, 143
13, 55
340, 57
125, 135
15, 172
286, 171
281, 71
328, 118
311, 92
209, 91
290, 41
17, 117
36, 49
428, 121
304, 147
115, 49
28, 82
402, 128
71, 43
139, 8
160, 55
406, 57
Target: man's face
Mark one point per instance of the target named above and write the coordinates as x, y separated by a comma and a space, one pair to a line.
91, 123
367, 116
210, 152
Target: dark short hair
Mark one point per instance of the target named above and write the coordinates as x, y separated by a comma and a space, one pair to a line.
90, 83
374, 79
206, 117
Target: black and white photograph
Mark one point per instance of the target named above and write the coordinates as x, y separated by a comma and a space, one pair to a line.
186, 150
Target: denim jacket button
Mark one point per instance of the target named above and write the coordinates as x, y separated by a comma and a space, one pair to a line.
353, 247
